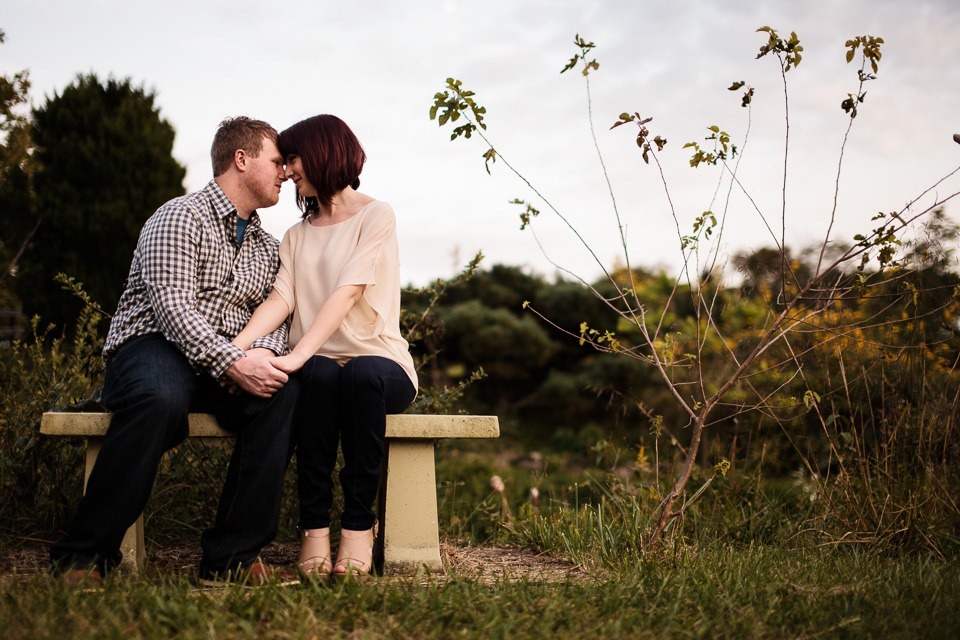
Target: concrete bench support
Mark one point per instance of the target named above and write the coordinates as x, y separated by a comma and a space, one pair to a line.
409, 535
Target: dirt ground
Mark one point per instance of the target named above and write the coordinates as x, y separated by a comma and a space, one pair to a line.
23, 558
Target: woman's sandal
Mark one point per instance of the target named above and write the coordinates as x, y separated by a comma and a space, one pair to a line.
314, 558
355, 555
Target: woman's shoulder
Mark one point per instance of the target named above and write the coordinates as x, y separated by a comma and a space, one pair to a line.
378, 210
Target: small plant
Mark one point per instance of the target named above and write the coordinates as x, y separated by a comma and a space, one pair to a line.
39, 477
424, 331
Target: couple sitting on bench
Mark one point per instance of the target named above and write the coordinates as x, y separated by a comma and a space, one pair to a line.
203, 326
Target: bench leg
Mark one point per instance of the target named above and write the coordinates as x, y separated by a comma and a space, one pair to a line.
409, 536
132, 546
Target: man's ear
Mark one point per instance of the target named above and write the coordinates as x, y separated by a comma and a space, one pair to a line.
240, 159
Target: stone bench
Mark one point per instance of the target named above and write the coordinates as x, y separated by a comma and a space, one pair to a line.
408, 540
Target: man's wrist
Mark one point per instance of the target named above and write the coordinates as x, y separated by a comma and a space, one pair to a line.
229, 369
221, 358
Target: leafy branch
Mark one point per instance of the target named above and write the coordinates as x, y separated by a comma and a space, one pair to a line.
588, 65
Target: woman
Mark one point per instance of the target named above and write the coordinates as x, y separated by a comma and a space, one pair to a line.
339, 280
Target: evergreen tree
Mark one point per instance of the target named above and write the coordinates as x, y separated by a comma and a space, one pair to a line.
16, 165
105, 166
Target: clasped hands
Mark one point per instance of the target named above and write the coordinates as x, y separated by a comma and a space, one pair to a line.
260, 372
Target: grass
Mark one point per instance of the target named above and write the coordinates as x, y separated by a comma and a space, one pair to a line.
718, 591
738, 564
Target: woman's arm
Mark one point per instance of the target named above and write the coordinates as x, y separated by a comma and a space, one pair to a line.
329, 318
271, 313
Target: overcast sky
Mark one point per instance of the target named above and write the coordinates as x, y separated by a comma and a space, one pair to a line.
377, 64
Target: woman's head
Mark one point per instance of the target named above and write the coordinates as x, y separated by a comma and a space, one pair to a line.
330, 155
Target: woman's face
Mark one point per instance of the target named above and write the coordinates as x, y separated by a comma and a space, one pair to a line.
294, 171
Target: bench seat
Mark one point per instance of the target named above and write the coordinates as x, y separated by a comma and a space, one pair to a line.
408, 540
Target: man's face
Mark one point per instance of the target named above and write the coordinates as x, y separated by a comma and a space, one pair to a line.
265, 174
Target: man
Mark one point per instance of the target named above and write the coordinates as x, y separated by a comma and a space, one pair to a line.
202, 264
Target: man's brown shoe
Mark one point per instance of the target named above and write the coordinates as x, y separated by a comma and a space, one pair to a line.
84, 578
255, 574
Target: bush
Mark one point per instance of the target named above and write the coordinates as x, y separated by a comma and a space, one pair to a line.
39, 479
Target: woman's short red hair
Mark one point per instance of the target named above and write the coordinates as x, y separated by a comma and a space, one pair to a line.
331, 155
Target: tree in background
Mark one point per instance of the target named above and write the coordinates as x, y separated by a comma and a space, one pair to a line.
105, 165
16, 167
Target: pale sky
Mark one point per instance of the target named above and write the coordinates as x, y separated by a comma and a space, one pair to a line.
377, 64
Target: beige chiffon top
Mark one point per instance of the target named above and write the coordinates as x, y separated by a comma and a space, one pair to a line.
315, 261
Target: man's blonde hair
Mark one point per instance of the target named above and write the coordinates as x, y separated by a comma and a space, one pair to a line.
238, 133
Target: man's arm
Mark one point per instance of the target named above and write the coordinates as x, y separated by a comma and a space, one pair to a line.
169, 253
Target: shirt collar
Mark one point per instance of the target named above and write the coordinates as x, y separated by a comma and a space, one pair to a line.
222, 206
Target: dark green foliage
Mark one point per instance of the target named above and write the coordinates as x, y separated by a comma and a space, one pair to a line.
510, 348
40, 477
105, 166
16, 201
16, 167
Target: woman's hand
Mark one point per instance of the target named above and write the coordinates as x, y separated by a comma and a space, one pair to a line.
289, 363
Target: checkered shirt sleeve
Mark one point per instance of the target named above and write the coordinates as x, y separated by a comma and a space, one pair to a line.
191, 282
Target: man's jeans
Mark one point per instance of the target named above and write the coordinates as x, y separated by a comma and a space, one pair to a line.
150, 388
348, 406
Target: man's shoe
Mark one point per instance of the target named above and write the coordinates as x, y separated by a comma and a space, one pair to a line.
255, 574
83, 578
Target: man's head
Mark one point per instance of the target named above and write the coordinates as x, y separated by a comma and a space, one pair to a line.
238, 133
247, 164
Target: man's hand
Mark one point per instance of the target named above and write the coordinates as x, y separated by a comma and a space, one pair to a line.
256, 375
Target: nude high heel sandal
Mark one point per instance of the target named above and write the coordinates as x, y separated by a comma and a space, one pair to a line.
314, 558
355, 555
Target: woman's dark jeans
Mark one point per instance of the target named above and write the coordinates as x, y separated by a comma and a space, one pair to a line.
150, 388
346, 405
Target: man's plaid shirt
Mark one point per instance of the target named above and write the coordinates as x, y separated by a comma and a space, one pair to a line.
190, 281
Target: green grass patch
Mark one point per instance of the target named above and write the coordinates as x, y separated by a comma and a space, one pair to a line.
711, 591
